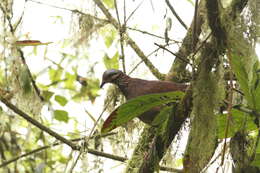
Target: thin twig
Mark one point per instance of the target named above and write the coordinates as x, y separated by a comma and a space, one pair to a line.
201, 45
195, 24
131, 42
71, 10
151, 34
90, 115
133, 69
124, 12
9, 19
95, 125
194, 36
75, 163
176, 15
229, 108
20, 18
121, 30
177, 56
117, 13
132, 13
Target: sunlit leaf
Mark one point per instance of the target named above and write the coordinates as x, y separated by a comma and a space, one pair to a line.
137, 106
109, 38
47, 95
61, 100
61, 115
109, 3
111, 63
55, 75
70, 80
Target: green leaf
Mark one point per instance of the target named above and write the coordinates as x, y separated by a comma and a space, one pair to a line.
111, 63
70, 80
256, 86
61, 115
237, 122
61, 100
162, 116
55, 75
137, 106
109, 3
47, 95
244, 63
109, 37
256, 161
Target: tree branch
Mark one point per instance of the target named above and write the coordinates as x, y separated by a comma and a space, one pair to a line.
176, 55
151, 34
175, 14
38, 124
131, 42
189, 42
90, 151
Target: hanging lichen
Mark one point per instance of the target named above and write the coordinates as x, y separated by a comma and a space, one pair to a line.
207, 94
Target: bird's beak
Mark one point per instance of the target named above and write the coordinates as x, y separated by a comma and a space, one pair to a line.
102, 84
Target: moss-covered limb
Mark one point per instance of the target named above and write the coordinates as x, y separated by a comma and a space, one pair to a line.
143, 158
154, 143
131, 42
207, 93
214, 17
189, 42
140, 152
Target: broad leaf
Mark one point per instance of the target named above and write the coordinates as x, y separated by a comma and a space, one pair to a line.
61, 115
55, 75
70, 81
109, 3
47, 95
244, 63
111, 63
237, 122
137, 106
162, 116
61, 100
256, 161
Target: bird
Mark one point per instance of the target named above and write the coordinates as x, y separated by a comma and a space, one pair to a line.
134, 87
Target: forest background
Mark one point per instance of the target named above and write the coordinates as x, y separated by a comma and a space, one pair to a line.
53, 54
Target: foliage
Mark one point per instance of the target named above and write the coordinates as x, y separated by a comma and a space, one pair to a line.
238, 121
137, 106
57, 84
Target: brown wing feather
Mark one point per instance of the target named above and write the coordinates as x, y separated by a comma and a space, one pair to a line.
138, 87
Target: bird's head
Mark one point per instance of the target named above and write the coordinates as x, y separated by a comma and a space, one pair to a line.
110, 76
